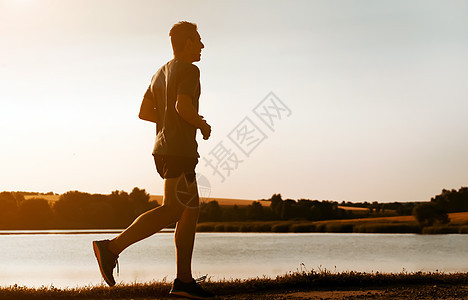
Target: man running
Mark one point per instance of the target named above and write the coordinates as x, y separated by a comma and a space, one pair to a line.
175, 89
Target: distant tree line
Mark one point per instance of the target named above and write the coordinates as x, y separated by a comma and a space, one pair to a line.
384, 209
302, 209
73, 210
453, 200
78, 210
278, 209
436, 211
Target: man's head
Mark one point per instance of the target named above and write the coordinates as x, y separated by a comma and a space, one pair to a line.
186, 42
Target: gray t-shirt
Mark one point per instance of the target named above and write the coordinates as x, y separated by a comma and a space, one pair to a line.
174, 136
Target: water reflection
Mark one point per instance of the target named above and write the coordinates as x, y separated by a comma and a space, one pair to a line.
66, 260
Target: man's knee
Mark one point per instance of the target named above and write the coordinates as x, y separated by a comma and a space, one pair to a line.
174, 210
187, 224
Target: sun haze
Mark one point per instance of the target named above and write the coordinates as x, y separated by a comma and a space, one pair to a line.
371, 96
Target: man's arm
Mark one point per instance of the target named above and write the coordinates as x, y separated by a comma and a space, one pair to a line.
186, 110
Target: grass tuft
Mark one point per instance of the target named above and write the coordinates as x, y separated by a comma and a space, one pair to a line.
463, 229
299, 280
440, 230
387, 228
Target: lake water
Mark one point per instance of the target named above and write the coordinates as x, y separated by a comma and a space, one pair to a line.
67, 260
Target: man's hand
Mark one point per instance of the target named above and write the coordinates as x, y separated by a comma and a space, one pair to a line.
205, 130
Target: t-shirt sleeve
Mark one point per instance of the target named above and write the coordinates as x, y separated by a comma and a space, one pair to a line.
189, 82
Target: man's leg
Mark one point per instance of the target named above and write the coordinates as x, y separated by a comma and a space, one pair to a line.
146, 224
184, 285
185, 234
151, 221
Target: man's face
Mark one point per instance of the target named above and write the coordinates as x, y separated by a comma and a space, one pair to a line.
194, 47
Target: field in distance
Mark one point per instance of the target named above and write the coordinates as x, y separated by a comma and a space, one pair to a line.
50, 198
158, 198
221, 201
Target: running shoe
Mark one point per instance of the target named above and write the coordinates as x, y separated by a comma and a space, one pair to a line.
106, 260
190, 290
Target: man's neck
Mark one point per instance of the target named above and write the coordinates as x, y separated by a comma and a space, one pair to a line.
182, 58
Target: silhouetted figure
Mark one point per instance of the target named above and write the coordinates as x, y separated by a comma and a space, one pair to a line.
175, 88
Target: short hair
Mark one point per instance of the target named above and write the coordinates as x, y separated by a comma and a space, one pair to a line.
180, 33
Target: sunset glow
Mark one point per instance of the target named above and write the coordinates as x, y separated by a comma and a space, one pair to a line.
377, 95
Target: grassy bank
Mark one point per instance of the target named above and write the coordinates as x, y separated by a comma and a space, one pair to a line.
298, 281
401, 224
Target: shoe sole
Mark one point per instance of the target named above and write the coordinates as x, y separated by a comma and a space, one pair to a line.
97, 253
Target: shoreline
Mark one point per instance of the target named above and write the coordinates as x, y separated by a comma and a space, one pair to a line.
297, 285
398, 224
69, 231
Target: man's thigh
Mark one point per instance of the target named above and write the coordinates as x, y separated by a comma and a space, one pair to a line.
180, 187
181, 192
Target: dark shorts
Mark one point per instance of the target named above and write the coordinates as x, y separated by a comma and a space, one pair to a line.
169, 166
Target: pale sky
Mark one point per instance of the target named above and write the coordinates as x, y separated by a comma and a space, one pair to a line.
377, 93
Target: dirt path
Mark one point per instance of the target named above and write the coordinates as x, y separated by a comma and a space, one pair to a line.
393, 293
